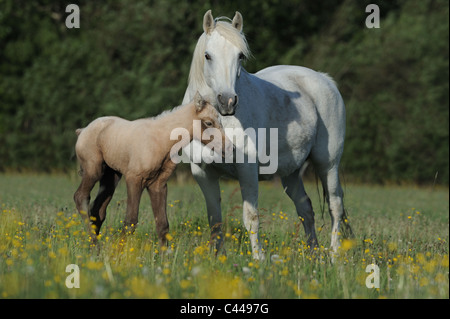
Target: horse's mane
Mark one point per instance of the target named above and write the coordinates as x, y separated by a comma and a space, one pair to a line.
228, 32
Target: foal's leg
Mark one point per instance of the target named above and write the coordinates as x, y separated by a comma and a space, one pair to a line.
158, 197
157, 190
293, 186
82, 195
134, 192
108, 184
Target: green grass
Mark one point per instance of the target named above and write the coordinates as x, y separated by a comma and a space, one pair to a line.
403, 230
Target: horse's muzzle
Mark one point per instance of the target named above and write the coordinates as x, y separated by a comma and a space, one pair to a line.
227, 103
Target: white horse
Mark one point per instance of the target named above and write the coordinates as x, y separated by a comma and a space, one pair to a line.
304, 105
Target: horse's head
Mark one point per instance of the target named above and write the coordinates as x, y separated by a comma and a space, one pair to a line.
224, 49
211, 131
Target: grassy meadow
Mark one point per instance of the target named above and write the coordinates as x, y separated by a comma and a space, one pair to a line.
404, 230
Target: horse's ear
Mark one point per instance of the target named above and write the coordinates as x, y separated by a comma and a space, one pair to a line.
199, 102
208, 22
238, 21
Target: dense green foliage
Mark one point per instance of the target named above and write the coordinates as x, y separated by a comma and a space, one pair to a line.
131, 58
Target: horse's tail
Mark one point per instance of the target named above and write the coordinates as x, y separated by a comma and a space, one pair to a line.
78, 131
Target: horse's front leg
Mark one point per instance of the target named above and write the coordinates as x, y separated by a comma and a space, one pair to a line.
248, 180
208, 180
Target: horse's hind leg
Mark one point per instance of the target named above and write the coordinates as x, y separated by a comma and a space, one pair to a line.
293, 186
108, 184
334, 196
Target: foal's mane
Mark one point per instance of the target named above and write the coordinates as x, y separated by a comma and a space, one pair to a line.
230, 33
166, 113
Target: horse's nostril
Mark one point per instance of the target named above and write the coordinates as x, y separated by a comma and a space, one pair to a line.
227, 100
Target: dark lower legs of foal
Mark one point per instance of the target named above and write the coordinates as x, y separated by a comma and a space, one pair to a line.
108, 184
94, 214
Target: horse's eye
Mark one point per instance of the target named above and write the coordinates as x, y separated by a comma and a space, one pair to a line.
241, 56
208, 123
207, 56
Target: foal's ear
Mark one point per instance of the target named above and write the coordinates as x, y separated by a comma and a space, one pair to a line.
199, 102
238, 21
208, 22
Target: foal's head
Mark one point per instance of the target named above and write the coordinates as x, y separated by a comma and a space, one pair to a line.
211, 131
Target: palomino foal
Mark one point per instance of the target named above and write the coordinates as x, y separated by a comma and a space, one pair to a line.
141, 150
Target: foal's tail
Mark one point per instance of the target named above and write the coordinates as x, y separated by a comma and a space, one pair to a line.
78, 131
